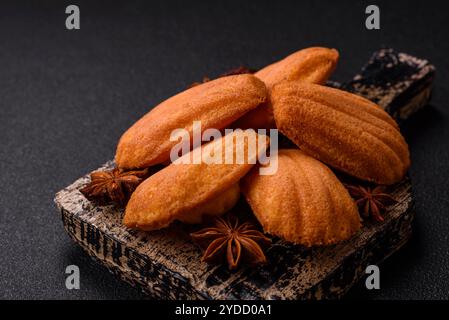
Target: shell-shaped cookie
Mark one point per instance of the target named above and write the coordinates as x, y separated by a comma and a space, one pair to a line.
216, 104
303, 202
203, 182
343, 130
312, 65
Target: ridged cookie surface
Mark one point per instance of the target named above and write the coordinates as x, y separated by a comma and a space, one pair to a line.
343, 130
312, 65
216, 104
187, 191
303, 202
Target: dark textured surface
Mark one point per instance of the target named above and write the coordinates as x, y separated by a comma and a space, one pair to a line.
66, 96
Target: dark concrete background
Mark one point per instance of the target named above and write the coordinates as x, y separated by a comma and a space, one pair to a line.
66, 97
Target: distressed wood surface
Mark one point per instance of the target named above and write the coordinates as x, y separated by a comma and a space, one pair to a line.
166, 264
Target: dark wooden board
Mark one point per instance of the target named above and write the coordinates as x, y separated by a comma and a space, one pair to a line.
166, 264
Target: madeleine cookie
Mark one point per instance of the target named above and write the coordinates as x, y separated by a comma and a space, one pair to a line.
313, 65
197, 184
303, 202
216, 104
345, 131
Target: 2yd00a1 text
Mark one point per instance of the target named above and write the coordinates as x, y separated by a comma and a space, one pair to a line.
236, 309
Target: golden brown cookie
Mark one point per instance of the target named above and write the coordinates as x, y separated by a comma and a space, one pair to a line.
303, 202
313, 65
216, 104
187, 191
345, 131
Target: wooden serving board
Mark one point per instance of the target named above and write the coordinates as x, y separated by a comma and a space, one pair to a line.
166, 264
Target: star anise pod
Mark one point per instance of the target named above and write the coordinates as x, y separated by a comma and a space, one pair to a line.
372, 201
238, 70
227, 238
194, 84
235, 71
114, 185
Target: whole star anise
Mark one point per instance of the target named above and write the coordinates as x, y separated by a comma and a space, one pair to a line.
372, 201
238, 70
235, 71
114, 185
227, 238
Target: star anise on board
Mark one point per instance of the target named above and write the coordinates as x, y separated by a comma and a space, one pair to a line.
114, 185
238, 70
372, 201
227, 239
235, 71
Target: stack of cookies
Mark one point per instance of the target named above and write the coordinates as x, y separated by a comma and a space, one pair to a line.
302, 201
